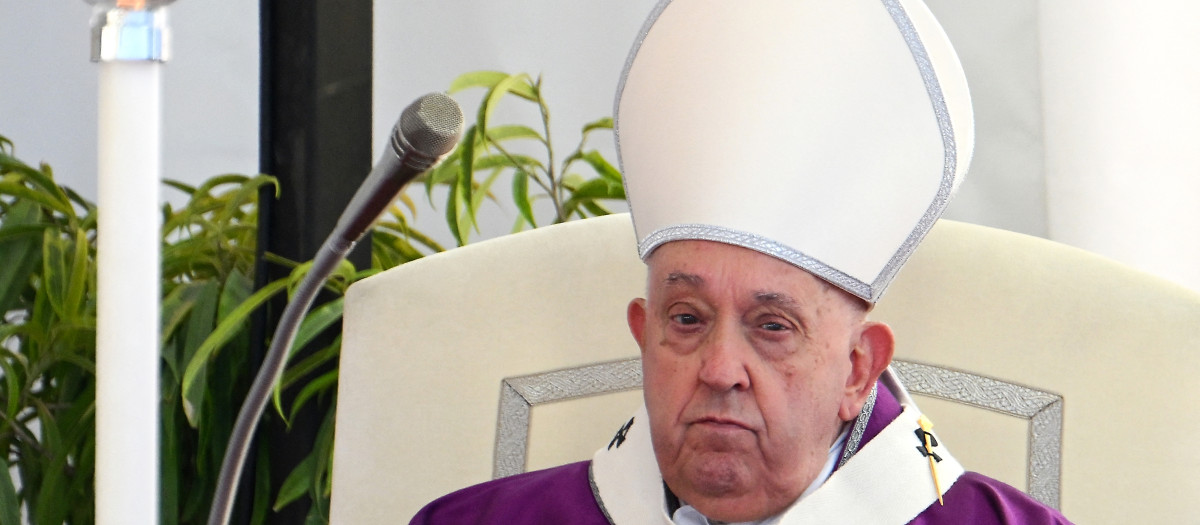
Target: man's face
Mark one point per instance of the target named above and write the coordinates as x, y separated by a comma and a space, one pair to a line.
751, 365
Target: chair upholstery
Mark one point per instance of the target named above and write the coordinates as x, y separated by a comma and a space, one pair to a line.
1095, 360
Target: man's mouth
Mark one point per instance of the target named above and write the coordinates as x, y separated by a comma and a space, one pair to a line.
719, 423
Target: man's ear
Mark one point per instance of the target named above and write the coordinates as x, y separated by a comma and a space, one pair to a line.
869, 358
635, 315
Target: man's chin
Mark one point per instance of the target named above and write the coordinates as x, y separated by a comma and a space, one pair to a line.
725, 488
719, 477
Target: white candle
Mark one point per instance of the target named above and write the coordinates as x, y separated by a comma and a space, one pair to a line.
128, 269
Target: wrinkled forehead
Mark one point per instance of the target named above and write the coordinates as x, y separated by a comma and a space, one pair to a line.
700, 265
692, 263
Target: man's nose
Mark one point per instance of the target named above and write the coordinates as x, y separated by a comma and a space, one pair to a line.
724, 358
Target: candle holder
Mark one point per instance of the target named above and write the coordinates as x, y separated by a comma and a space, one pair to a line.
130, 30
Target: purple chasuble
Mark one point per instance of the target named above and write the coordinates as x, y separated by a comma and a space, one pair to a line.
564, 495
557, 495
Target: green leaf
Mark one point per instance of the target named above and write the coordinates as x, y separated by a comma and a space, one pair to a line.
175, 306
602, 166
11, 231
472, 79
484, 190
262, 486
52, 490
246, 193
602, 188
515, 84
296, 484
601, 123
41, 180
393, 248
311, 363
488, 79
520, 195
180, 185
78, 278
236, 289
55, 252
323, 450
171, 463
10, 504
410, 233
200, 323
487, 162
316, 322
511, 132
447, 171
48, 201
313, 324
20, 252
599, 188
316, 386
220, 180
460, 193
315, 515
454, 202
407, 202
193, 389
12, 383
595, 209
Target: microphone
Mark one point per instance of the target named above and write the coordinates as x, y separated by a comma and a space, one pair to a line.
428, 129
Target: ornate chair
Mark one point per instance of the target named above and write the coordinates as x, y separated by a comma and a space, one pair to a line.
1058, 371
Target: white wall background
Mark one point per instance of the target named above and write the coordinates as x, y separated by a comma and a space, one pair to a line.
210, 89
1099, 95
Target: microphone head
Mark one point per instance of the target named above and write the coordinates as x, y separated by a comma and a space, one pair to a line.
430, 126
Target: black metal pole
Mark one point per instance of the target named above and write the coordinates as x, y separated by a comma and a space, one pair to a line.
315, 136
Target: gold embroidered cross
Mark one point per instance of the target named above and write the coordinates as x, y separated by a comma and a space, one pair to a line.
926, 449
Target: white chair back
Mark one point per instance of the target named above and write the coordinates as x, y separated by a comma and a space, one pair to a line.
1058, 371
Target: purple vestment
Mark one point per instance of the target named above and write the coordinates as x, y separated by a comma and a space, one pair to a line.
564, 495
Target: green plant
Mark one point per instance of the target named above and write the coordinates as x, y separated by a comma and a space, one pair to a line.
47, 345
486, 154
48, 312
47, 340
208, 261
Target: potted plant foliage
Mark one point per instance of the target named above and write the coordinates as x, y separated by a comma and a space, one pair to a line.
48, 308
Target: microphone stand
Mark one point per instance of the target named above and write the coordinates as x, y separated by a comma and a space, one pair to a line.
427, 130
326, 261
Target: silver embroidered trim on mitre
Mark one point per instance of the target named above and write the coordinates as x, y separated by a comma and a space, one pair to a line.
950, 157
860, 427
633, 51
758, 243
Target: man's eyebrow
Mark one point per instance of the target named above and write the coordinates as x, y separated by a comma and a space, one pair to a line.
786, 302
776, 298
680, 278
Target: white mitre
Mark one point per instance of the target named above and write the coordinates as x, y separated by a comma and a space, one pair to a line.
827, 133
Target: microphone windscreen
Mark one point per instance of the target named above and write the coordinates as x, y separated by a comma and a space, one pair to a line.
430, 126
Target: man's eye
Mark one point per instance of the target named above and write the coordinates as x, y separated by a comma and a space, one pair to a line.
685, 319
774, 327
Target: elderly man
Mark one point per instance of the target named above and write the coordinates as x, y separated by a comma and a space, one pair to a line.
783, 158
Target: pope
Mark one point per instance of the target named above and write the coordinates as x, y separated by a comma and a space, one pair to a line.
782, 160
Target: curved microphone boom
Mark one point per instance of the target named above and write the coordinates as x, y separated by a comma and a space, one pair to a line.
428, 129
